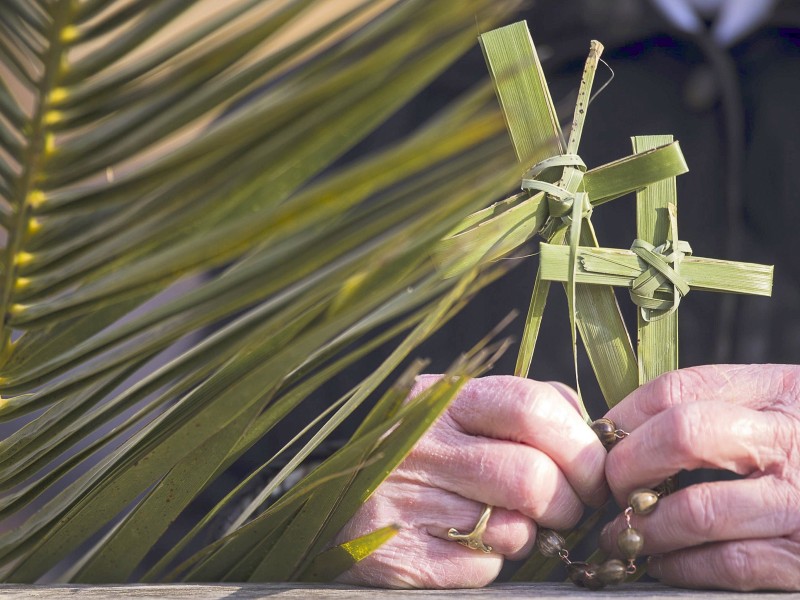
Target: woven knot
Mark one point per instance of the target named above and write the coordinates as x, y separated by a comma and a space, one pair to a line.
559, 200
663, 269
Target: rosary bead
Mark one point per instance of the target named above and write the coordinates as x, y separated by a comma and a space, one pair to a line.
576, 571
643, 501
594, 582
630, 542
612, 572
606, 431
549, 542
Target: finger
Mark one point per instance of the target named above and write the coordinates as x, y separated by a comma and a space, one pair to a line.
421, 555
496, 472
414, 559
508, 532
753, 386
713, 512
701, 435
434, 512
540, 415
764, 564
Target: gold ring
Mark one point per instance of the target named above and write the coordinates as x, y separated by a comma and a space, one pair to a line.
474, 539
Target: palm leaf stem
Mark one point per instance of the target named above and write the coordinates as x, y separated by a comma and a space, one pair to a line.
35, 148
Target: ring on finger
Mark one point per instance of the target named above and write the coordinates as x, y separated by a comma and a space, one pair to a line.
474, 539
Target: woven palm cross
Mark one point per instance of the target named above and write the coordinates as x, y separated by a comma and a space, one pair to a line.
557, 198
658, 270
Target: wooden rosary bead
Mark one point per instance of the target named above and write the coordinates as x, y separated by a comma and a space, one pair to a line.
606, 431
549, 542
612, 572
643, 501
593, 582
576, 571
630, 543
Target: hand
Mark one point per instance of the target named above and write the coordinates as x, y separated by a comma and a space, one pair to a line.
739, 535
516, 444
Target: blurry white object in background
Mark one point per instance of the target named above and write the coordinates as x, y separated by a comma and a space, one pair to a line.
731, 19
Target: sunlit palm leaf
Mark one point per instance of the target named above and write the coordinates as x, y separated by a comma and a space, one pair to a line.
136, 151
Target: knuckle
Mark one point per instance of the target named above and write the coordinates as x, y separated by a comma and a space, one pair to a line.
668, 390
522, 413
679, 387
543, 496
530, 395
533, 394
686, 428
699, 509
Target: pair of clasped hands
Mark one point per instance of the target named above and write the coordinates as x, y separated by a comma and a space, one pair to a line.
522, 447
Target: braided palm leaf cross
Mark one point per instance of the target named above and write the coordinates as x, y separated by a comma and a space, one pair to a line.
658, 271
558, 196
557, 201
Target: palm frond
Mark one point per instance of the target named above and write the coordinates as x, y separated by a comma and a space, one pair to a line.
137, 153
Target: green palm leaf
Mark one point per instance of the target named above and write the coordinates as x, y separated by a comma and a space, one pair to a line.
137, 153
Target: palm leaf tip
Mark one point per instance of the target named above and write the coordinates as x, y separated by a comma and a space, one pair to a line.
332, 563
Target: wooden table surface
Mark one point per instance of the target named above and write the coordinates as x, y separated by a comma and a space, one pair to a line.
330, 592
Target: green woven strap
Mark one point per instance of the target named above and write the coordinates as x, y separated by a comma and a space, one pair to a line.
559, 199
663, 266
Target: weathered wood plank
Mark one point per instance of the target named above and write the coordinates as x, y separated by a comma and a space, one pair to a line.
637, 591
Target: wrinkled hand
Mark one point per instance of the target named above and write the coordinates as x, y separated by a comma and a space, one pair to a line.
742, 534
516, 444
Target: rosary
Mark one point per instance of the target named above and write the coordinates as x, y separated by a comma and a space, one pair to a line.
630, 541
